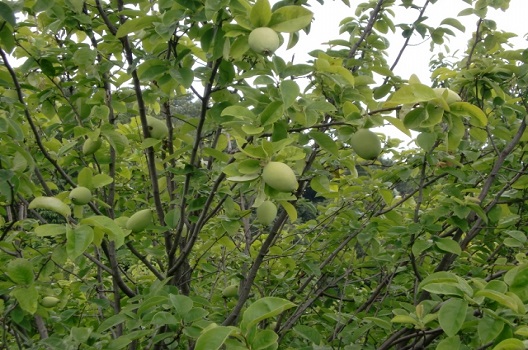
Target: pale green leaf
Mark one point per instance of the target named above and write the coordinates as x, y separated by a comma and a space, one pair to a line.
452, 315
290, 19
260, 14
135, 25
262, 309
213, 338
27, 298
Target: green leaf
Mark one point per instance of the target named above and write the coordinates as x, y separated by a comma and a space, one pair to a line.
510, 344
271, 113
78, 239
397, 122
290, 210
426, 140
213, 338
240, 112
265, 340
263, 308
289, 91
50, 230
452, 315
111, 321
7, 14
325, 141
410, 94
182, 304
84, 178
101, 180
517, 279
260, 14
309, 333
448, 245
27, 298
404, 319
454, 23
489, 328
135, 25
499, 297
290, 19
20, 271
109, 226
477, 116
451, 343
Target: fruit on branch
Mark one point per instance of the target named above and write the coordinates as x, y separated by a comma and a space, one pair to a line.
157, 128
366, 144
230, 291
266, 212
139, 221
80, 195
49, 301
264, 40
280, 177
90, 146
51, 203
452, 96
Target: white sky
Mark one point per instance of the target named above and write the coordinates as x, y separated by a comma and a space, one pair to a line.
416, 57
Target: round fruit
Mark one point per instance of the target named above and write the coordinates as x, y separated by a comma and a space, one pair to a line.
140, 220
366, 144
280, 177
80, 195
90, 146
157, 128
264, 40
266, 212
49, 301
230, 291
451, 95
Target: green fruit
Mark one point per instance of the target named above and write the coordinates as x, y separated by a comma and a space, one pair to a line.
90, 146
80, 195
140, 220
451, 97
366, 144
157, 128
49, 301
264, 40
230, 291
266, 212
280, 177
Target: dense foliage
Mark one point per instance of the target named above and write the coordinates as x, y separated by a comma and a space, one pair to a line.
419, 248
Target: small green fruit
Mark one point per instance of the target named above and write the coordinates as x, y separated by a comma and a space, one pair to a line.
452, 96
230, 291
49, 301
90, 146
366, 144
80, 195
139, 221
264, 40
266, 212
280, 177
158, 129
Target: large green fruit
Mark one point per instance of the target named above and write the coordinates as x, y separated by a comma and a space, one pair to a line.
264, 40
158, 129
49, 301
280, 177
140, 220
80, 195
230, 291
451, 97
266, 212
366, 144
90, 146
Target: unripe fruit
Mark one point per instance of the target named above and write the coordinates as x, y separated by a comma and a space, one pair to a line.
264, 40
140, 220
80, 195
158, 129
230, 291
49, 301
280, 177
452, 96
90, 146
266, 212
366, 144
